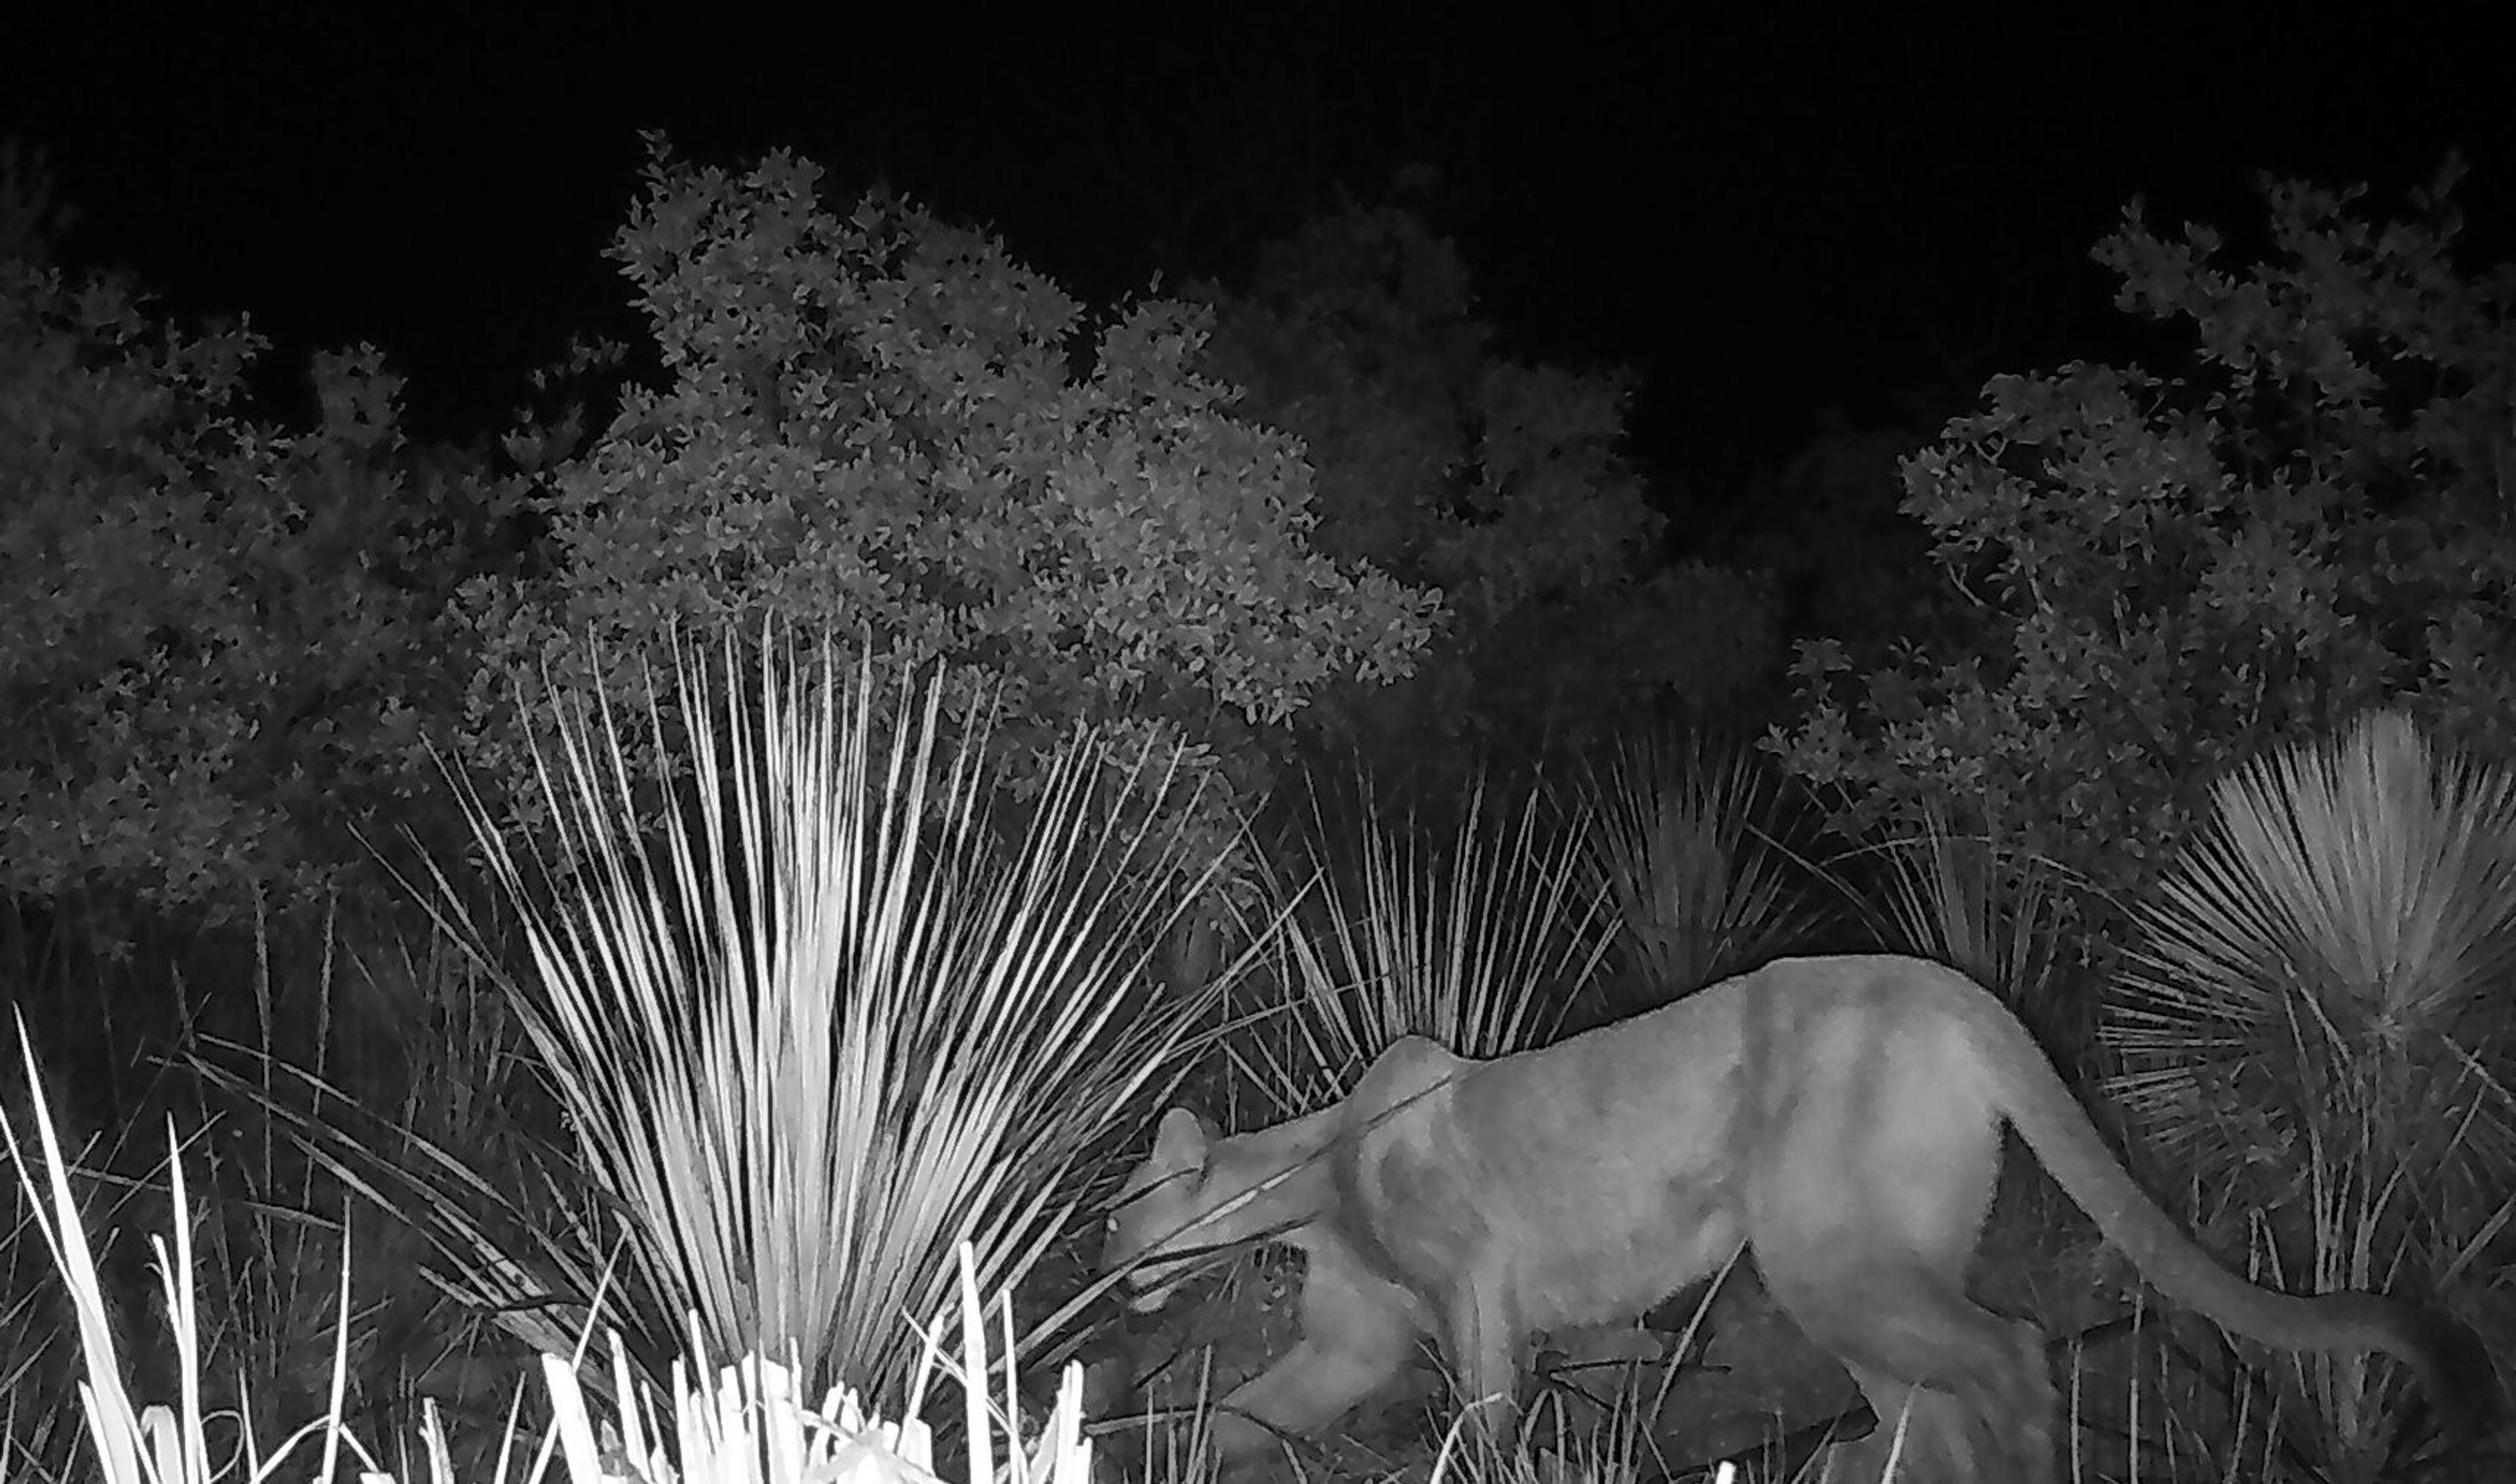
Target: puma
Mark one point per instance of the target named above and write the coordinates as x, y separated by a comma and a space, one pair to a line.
1838, 1117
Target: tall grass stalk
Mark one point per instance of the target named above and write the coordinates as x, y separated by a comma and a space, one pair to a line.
38, 1418
757, 1425
1480, 942
1688, 843
2315, 1023
843, 1016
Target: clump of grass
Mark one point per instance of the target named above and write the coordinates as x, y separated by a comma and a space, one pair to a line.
1994, 912
1481, 941
1690, 841
260, 1290
756, 1423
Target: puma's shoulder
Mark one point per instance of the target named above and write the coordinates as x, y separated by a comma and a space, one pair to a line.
1407, 1085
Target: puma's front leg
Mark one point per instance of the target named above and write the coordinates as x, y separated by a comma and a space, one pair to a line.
1357, 1331
1486, 1341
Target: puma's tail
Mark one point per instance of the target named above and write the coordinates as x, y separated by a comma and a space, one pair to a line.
2454, 1368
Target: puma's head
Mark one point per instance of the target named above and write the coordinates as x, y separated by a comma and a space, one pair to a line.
1155, 1230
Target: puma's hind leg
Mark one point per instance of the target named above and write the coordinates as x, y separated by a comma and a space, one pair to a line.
1963, 1395
1865, 1229
1922, 1436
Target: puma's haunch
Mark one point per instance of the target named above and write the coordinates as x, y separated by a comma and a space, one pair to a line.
1839, 1117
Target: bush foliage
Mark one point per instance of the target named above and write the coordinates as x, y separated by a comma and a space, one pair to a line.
2151, 577
876, 422
1504, 484
220, 630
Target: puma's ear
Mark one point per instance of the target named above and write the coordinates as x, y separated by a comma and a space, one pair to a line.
1180, 1143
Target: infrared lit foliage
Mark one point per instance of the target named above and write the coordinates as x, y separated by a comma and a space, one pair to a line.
1502, 483
220, 637
245, 637
877, 423
2153, 577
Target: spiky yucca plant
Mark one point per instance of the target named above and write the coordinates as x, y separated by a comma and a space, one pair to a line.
842, 1015
2315, 1021
1688, 841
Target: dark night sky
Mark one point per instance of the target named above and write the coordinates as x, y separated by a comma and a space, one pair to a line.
1768, 217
